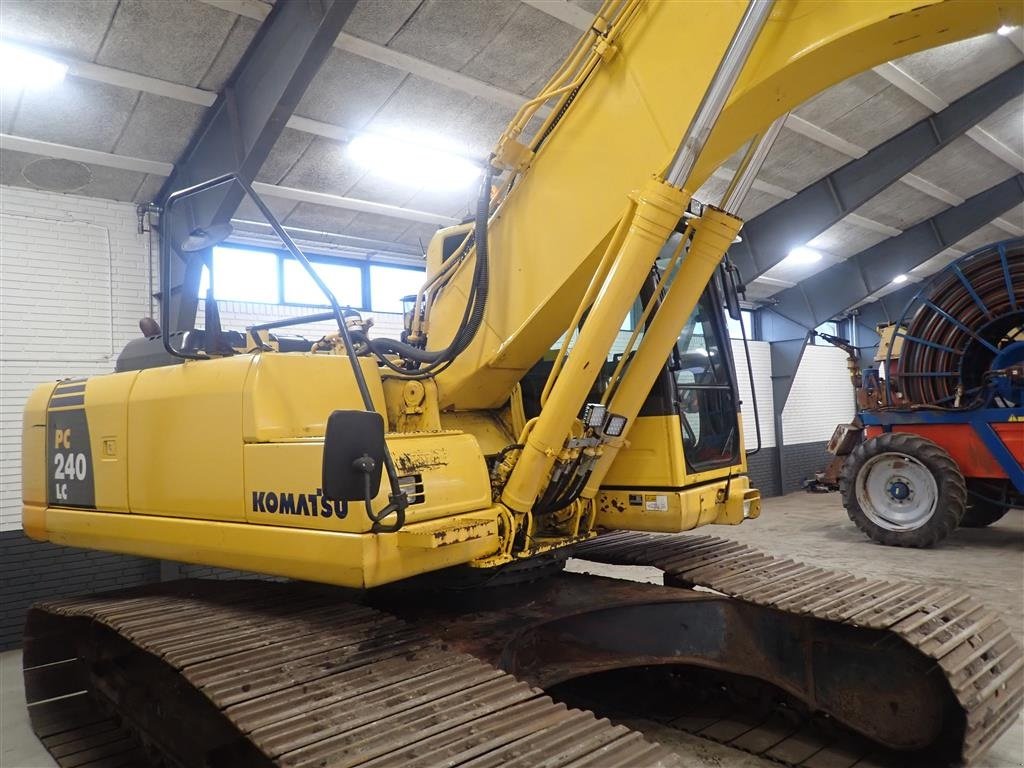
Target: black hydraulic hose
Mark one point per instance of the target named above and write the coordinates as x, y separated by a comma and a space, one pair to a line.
476, 304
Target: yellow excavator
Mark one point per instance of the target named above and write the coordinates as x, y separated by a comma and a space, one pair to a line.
419, 495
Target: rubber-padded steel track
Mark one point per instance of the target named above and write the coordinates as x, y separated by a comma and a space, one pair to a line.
982, 662
251, 673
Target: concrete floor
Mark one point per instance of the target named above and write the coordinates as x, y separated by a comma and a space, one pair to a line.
812, 527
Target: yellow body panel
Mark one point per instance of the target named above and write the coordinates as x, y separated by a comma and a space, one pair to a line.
184, 439
290, 396
653, 456
107, 404
346, 559
671, 511
34, 471
282, 482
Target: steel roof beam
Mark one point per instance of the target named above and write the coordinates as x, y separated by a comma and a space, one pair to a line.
240, 129
768, 238
824, 295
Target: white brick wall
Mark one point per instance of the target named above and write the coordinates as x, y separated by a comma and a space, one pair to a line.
822, 397
761, 362
73, 285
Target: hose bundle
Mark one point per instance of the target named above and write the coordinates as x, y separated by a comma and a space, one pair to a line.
956, 331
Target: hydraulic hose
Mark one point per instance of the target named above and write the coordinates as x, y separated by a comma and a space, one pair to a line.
476, 303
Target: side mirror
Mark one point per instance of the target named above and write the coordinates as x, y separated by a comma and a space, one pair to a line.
354, 450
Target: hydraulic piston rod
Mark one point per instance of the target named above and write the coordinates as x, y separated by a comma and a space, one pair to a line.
660, 205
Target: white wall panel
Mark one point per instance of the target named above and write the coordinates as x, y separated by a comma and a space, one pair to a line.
822, 397
761, 362
73, 285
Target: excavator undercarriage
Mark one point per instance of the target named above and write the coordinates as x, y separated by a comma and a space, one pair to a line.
845, 671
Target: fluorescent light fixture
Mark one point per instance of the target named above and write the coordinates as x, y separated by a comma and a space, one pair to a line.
22, 68
803, 255
1005, 30
415, 163
899, 279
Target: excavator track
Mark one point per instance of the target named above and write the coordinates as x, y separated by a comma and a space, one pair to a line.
970, 643
252, 673
263, 673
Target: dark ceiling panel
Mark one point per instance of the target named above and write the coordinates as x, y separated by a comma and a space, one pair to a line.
376, 227
286, 152
323, 218
20, 169
348, 90
796, 162
964, 167
72, 28
379, 20
159, 128
450, 34
81, 113
507, 63
323, 168
174, 40
230, 53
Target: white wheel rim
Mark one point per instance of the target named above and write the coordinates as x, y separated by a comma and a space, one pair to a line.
896, 492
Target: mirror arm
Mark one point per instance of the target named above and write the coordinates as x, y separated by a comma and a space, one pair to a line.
397, 501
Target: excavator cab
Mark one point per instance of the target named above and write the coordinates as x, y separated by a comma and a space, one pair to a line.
687, 436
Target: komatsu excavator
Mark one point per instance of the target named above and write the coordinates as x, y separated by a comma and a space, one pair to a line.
463, 463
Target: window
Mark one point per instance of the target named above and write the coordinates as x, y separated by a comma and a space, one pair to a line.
734, 325
274, 277
831, 328
704, 392
344, 280
242, 275
388, 285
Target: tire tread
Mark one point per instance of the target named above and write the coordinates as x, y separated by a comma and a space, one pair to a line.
952, 489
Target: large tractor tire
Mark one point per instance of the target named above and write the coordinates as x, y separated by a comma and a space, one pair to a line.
981, 513
903, 490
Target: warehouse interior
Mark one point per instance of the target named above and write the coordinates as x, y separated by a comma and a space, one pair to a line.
364, 143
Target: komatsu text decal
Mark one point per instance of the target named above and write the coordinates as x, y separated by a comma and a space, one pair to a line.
290, 503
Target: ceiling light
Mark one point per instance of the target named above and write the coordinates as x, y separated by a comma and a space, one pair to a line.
22, 68
1005, 30
803, 255
899, 279
413, 163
